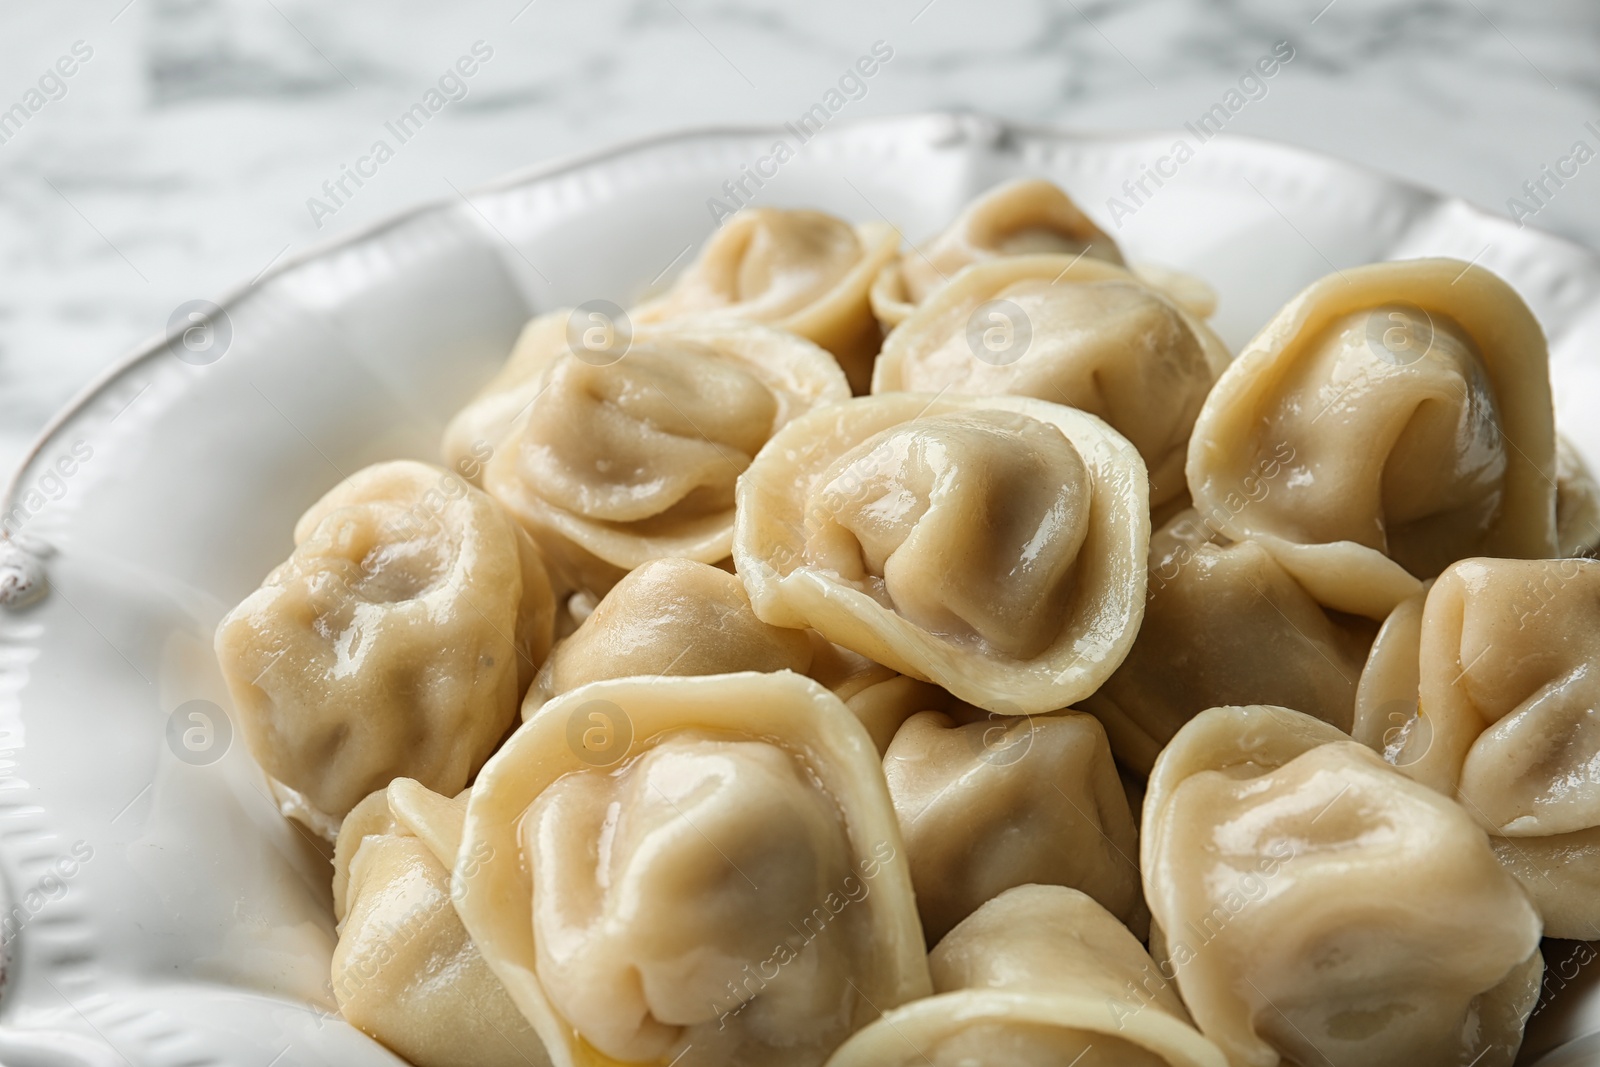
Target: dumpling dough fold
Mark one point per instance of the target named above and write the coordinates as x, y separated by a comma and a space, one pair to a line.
721, 870
1235, 622
987, 803
1415, 397
1318, 907
1073, 331
396, 640
614, 465
670, 617
405, 972
992, 545
801, 271
1502, 658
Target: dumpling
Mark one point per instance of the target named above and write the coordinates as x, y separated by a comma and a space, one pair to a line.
986, 804
405, 972
1318, 908
1230, 622
1577, 504
1415, 397
636, 460
397, 639
1501, 658
1026, 216
1040, 976
801, 271
671, 617
1078, 332
992, 545
726, 876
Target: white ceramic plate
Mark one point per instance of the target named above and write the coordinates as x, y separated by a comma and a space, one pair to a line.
161, 912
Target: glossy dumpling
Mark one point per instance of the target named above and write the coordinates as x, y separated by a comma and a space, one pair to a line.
405, 972
1230, 622
1439, 371
636, 459
1040, 976
801, 271
1577, 504
1502, 659
1318, 907
1079, 332
670, 617
726, 874
1027, 216
987, 804
992, 545
397, 639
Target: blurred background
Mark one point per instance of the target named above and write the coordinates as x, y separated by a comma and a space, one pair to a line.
187, 149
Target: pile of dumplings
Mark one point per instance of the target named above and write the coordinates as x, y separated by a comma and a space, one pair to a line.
955, 656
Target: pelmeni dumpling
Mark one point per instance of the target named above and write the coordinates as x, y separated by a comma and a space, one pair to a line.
396, 640
1231, 622
670, 617
1416, 399
1501, 658
623, 462
986, 804
1577, 504
1040, 976
992, 545
801, 271
1026, 216
1079, 332
405, 972
722, 872
1316, 907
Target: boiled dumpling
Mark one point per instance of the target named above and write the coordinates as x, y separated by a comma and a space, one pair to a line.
1230, 622
1316, 907
1577, 504
1027, 216
724, 874
1040, 976
986, 804
1071, 331
1501, 658
801, 271
670, 617
397, 640
1415, 397
992, 545
636, 460
405, 972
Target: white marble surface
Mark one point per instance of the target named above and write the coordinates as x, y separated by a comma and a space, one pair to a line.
179, 160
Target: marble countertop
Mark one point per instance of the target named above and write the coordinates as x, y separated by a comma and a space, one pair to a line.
170, 149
